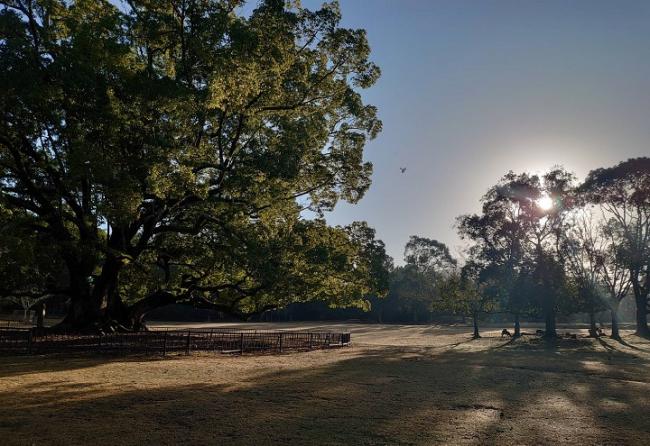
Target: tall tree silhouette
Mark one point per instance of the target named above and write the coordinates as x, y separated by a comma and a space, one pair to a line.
515, 237
623, 194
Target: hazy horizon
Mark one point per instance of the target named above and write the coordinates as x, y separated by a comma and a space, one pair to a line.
470, 90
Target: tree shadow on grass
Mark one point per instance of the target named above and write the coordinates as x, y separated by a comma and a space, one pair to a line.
519, 394
624, 342
26, 364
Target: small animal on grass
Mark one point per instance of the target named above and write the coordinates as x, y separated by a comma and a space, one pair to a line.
540, 332
570, 335
600, 332
505, 332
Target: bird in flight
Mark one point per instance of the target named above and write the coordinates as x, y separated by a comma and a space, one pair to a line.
402, 169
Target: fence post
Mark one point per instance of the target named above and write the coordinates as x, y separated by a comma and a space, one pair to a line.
165, 344
241, 343
310, 341
281, 341
187, 346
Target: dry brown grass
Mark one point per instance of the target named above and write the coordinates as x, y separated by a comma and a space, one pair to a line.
396, 385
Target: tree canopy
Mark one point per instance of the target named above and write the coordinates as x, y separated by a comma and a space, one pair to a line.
623, 194
164, 151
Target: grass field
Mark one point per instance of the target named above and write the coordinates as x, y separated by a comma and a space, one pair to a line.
414, 385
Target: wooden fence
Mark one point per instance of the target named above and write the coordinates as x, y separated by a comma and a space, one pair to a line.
165, 342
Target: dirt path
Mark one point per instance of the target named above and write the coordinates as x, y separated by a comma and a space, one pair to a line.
415, 385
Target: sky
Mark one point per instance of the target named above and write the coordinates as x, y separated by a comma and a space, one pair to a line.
473, 89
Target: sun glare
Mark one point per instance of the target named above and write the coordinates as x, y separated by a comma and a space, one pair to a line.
545, 203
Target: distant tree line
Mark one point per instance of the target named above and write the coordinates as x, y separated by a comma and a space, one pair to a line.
542, 246
548, 244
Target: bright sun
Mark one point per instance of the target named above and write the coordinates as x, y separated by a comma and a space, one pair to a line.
545, 203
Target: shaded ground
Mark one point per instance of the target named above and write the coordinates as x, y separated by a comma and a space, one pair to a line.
396, 385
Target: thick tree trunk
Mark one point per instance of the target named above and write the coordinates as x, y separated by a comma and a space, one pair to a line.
139, 310
615, 332
517, 326
82, 313
95, 302
476, 334
105, 289
81, 308
95, 307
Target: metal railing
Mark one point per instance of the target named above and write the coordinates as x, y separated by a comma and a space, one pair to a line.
165, 342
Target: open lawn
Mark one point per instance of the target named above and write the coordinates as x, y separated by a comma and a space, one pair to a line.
412, 385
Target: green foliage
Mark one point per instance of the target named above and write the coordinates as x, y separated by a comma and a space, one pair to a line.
428, 255
167, 134
467, 294
515, 257
622, 193
27, 263
416, 289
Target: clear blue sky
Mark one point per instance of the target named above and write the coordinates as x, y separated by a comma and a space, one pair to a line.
472, 89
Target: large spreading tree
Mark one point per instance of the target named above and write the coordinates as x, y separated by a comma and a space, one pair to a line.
164, 151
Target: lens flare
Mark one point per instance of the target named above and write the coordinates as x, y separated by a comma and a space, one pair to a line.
545, 203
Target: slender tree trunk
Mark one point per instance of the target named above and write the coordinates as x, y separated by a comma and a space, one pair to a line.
40, 316
641, 313
547, 293
476, 334
549, 313
615, 332
549, 321
517, 326
593, 330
